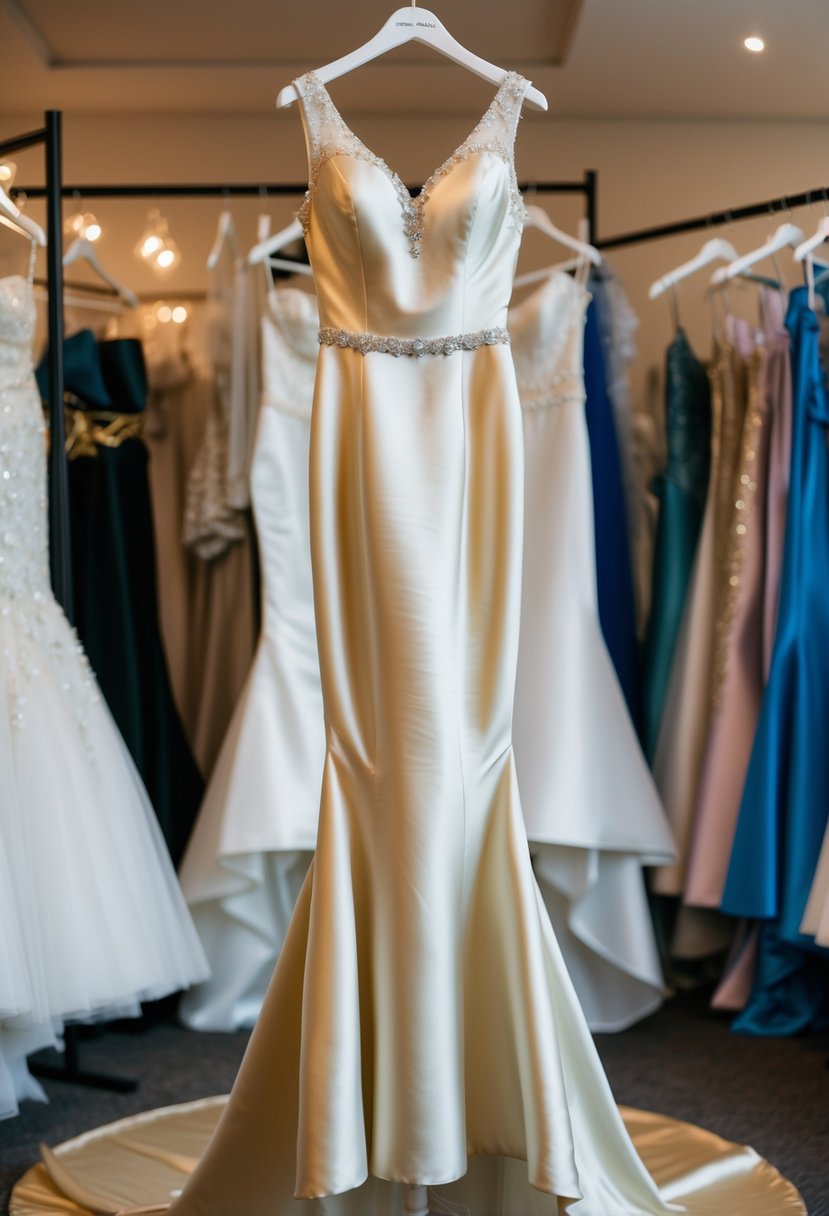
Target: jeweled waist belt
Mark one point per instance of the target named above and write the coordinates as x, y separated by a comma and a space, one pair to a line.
412, 347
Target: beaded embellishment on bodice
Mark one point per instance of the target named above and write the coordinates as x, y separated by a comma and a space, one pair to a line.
34, 631
330, 136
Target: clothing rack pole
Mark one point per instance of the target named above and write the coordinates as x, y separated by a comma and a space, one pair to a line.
60, 554
587, 187
715, 219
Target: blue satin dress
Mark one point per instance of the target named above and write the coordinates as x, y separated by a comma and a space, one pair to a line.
785, 803
614, 573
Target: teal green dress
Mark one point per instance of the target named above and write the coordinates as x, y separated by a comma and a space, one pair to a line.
681, 489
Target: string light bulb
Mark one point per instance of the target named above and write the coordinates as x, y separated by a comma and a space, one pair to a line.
754, 44
8, 172
156, 246
83, 224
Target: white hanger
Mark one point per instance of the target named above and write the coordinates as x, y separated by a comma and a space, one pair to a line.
538, 218
20, 221
224, 236
82, 250
263, 251
813, 242
411, 24
715, 250
787, 235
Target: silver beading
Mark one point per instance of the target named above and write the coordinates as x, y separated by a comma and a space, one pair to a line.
412, 347
330, 136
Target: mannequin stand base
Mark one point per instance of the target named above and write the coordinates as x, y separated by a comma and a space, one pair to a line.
417, 1201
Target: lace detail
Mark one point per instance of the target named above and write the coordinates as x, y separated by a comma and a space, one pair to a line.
330, 136
412, 347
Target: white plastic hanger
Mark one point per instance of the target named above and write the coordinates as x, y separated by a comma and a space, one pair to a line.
264, 250
715, 250
20, 221
538, 218
82, 250
411, 24
224, 236
786, 236
813, 242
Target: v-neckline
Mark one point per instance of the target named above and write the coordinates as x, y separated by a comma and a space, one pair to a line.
443, 167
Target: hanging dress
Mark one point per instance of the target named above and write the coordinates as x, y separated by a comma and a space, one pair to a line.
592, 827
256, 829
614, 571
682, 489
420, 1026
114, 570
747, 597
93, 920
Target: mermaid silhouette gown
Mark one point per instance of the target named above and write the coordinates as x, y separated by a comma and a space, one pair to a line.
420, 1026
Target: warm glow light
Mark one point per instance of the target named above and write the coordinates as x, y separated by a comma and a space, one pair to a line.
150, 244
7, 171
179, 314
754, 44
164, 313
165, 258
93, 231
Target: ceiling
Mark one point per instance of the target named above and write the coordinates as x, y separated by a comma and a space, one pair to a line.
593, 58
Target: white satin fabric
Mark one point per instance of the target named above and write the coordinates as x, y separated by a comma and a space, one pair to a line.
253, 840
420, 1026
591, 809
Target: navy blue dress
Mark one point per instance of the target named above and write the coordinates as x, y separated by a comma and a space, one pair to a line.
614, 574
785, 803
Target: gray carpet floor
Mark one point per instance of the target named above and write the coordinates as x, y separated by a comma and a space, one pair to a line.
683, 1061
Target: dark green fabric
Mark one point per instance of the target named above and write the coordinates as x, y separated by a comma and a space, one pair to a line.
116, 605
682, 489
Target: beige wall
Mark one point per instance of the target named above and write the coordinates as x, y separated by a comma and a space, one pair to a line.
649, 173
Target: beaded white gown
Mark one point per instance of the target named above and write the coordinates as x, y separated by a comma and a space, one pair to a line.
593, 816
252, 843
420, 1026
92, 919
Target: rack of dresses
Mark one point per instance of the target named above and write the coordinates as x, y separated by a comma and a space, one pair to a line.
736, 753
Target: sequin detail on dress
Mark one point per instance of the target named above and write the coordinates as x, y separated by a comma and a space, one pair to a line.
330, 136
39, 628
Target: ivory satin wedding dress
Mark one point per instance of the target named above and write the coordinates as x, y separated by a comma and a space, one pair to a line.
420, 1026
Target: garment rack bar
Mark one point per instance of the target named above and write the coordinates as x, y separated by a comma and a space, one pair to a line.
261, 189
715, 219
31, 139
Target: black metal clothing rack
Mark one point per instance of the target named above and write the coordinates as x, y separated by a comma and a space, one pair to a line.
587, 185
715, 219
50, 136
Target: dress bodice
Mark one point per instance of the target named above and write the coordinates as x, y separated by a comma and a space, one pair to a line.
389, 265
289, 351
547, 333
17, 326
687, 419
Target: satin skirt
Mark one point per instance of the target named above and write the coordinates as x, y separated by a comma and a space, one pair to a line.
420, 1026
